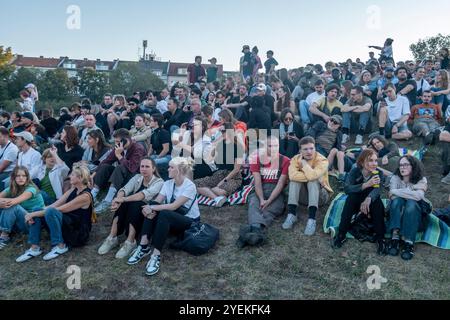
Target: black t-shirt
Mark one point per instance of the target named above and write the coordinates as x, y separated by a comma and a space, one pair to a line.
412, 95
268, 64
248, 69
51, 126
70, 157
226, 155
173, 119
445, 63
447, 127
160, 137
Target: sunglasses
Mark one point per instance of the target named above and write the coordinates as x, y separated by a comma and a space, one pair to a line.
288, 119
335, 122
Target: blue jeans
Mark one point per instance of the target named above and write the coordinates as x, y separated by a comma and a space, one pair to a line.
363, 120
161, 161
406, 216
303, 110
53, 219
14, 219
48, 201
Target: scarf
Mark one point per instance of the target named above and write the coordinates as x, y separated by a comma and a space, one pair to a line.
283, 131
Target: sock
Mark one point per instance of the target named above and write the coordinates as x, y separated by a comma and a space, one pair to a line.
111, 193
345, 131
395, 235
95, 192
361, 131
382, 130
312, 212
292, 209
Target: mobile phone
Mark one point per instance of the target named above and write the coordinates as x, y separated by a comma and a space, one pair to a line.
292, 134
188, 108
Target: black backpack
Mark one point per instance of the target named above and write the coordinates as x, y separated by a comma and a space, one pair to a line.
198, 239
362, 228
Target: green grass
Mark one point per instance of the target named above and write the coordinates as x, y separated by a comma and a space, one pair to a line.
290, 266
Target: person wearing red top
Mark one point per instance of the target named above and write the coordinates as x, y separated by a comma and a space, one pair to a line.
270, 170
426, 118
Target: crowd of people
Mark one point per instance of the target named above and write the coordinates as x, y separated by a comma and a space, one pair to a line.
145, 160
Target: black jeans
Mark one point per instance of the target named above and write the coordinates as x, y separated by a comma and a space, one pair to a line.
130, 213
164, 223
446, 157
117, 176
352, 207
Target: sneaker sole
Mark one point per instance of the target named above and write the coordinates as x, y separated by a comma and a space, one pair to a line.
29, 258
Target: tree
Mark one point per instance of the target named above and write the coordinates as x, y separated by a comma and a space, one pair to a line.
55, 85
92, 84
129, 77
6, 71
20, 79
429, 47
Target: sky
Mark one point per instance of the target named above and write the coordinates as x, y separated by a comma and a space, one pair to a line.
299, 32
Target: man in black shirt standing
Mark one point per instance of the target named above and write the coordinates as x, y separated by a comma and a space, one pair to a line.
270, 63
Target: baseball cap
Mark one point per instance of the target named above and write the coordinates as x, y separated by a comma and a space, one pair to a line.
25, 135
30, 86
246, 47
261, 87
28, 115
337, 119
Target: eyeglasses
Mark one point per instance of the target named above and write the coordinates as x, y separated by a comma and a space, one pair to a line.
132, 104
405, 165
334, 122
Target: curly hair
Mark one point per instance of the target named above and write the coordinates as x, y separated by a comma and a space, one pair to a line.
417, 169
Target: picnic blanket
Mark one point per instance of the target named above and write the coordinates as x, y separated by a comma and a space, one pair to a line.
240, 197
437, 234
419, 154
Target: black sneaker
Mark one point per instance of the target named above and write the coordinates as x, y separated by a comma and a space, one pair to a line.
408, 252
382, 247
394, 247
338, 241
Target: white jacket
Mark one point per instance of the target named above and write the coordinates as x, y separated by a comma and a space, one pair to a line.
57, 176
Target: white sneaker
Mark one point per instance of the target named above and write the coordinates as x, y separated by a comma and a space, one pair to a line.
126, 250
359, 140
153, 265
103, 207
108, 245
55, 253
291, 220
137, 255
311, 227
220, 201
345, 138
29, 254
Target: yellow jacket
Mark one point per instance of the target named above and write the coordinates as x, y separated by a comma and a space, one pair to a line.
317, 170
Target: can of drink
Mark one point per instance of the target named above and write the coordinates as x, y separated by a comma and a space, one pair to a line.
376, 173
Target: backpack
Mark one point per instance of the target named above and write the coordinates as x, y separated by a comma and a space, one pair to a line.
198, 239
362, 228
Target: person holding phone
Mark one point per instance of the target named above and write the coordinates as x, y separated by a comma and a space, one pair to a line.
97, 151
290, 134
127, 157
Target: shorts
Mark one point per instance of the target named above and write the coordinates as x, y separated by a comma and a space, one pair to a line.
211, 182
390, 125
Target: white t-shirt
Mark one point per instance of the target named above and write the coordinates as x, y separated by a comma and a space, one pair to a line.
9, 153
425, 87
188, 190
30, 160
313, 97
398, 108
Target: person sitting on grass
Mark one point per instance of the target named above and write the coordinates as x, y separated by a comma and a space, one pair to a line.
229, 155
20, 198
270, 170
309, 185
407, 189
51, 175
127, 156
69, 219
363, 189
127, 208
97, 151
444, 138
393, 115
388, 153
179, 211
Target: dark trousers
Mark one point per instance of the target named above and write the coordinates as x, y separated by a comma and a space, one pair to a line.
352, 207
130, 213
165, 222
446, 157
117, 176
